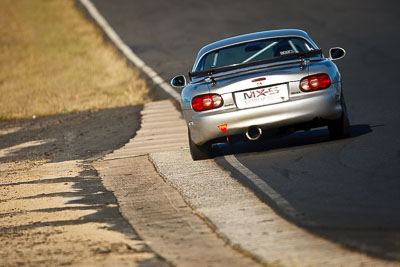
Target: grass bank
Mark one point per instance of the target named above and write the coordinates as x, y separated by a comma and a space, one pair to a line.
53, 60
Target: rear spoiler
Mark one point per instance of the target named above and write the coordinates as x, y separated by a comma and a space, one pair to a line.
210, 72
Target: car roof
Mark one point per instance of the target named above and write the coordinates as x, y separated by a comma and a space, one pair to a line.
253, 36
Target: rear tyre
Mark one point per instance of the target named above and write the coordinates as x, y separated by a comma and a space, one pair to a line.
200, 152
340, 128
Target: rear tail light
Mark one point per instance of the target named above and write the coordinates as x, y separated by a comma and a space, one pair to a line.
315, 82
206, 102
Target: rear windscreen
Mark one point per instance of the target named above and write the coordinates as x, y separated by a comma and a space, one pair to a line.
253, 51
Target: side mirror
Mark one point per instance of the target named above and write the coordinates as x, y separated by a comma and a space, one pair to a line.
179, 81
336, 53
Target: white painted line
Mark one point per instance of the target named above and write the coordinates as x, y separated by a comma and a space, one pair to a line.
282, 203
127, 51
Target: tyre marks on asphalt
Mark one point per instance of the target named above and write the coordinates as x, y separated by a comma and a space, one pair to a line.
157, 211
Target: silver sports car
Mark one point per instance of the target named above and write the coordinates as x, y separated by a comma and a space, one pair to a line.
261, 84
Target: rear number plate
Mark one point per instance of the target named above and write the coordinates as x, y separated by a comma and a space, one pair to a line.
262, 96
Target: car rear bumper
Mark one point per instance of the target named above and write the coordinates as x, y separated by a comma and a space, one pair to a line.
203, 126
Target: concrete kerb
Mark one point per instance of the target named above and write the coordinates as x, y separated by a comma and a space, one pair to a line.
154, 208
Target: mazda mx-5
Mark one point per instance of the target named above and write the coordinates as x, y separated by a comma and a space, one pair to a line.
261, 84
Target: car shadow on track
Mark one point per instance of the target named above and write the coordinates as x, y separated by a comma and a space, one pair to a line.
297, 139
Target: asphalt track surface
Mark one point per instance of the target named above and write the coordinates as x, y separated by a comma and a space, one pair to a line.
347, 191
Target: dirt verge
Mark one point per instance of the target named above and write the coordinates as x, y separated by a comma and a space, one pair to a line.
54, 209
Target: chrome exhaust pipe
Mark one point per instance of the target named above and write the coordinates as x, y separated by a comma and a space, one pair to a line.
253, 133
